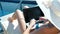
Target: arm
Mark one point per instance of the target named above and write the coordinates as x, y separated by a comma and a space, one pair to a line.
27, 31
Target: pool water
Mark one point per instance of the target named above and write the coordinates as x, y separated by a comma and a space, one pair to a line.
7, 8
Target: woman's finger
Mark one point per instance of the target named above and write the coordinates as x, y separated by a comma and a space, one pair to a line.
32, 22
46, 21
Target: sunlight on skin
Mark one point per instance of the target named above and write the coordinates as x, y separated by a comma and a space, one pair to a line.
32, 22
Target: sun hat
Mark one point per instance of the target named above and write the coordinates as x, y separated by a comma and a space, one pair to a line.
51, 10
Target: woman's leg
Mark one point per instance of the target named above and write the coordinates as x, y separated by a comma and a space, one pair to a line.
21, 20
19, 15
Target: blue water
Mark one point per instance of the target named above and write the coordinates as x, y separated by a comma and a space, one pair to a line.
8, 8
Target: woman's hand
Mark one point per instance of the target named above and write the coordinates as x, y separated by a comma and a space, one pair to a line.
32, 22
46, 21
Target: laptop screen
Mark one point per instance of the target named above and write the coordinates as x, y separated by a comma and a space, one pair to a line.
31, 13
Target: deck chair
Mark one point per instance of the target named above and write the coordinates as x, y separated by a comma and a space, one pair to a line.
11, 28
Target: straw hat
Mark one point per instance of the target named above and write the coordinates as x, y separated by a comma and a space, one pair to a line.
51, 10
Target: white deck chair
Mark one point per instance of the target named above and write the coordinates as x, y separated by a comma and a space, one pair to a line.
51, 13
11, 28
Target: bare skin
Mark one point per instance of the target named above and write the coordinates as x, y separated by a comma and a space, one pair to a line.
45, 30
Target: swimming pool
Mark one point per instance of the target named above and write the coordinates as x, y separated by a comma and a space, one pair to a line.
8, 8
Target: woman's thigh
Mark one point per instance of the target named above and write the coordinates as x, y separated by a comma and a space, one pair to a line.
46, 30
